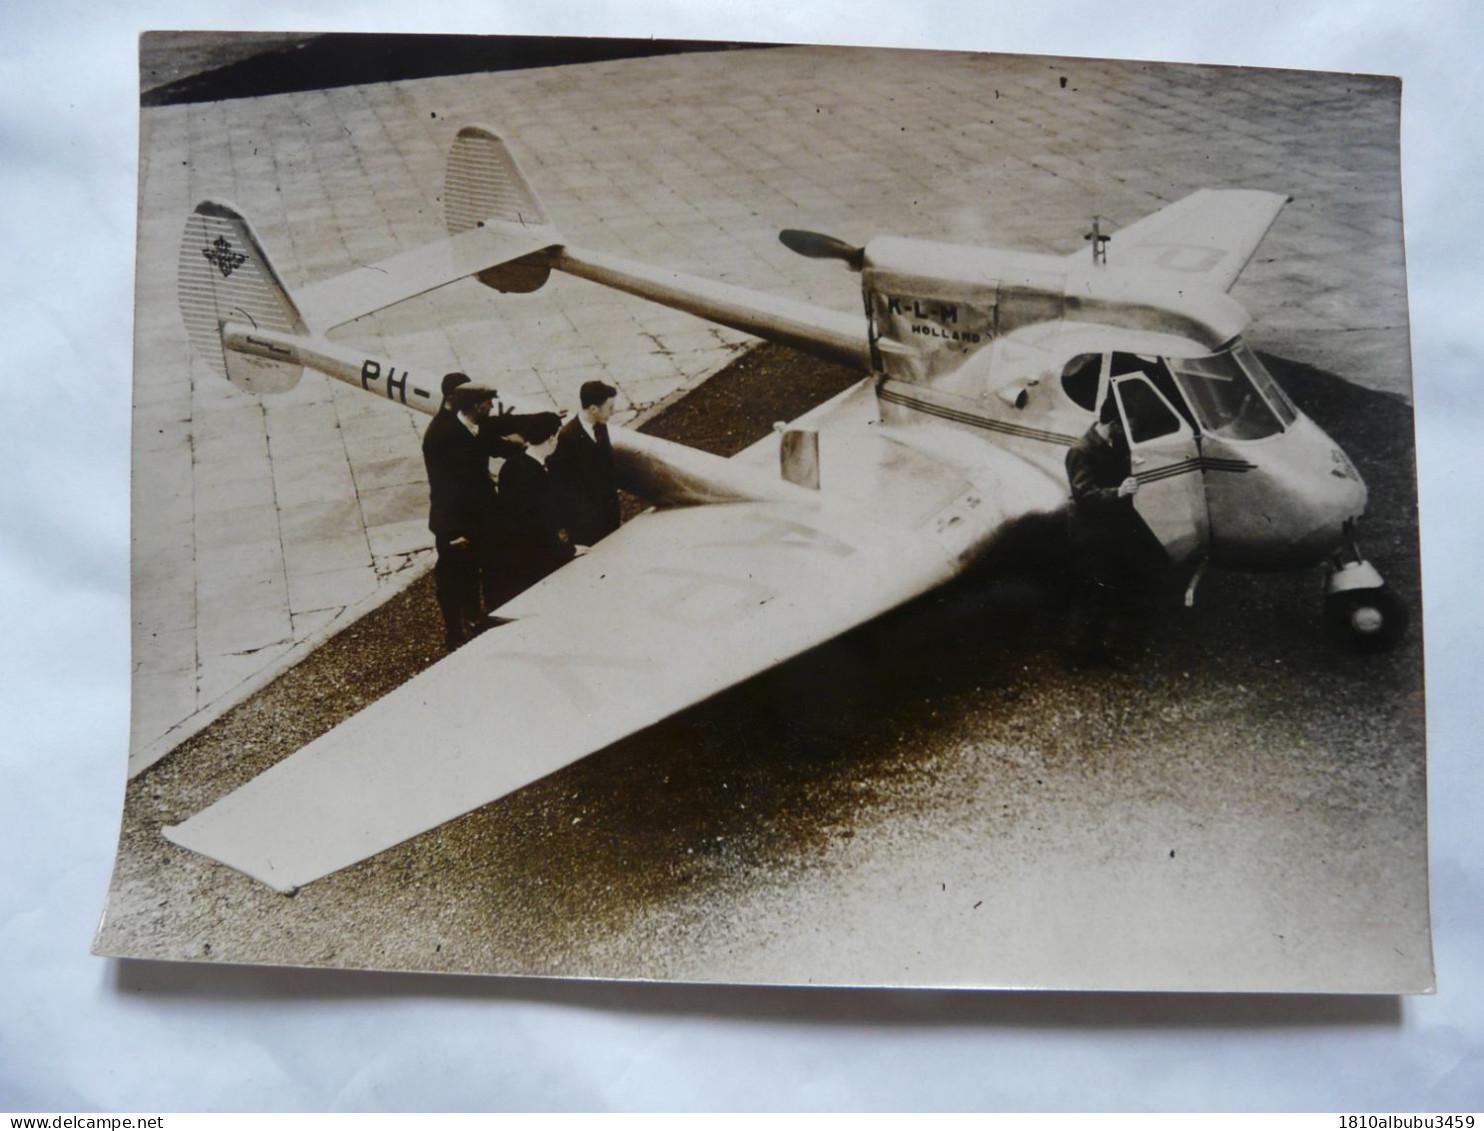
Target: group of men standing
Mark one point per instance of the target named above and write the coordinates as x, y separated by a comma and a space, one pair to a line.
557, 495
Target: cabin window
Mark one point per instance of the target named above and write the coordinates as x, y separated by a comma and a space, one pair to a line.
1225, 397
1147, 415
1079, 379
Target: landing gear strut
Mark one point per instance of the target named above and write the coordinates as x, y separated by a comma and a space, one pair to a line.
1360, 612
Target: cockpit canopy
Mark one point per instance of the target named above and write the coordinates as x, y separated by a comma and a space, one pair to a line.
1233, 395
1228, 394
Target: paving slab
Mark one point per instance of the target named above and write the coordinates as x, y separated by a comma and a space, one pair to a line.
693, 161
330, 590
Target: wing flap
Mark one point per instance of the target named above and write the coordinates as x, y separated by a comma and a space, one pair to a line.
1211, 234
673, 608
334, 302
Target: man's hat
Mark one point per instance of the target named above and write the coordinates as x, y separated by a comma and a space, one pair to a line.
467, 396
452, 381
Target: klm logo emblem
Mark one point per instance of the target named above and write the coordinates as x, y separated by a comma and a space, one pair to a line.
938, 311
930, 319
224, 257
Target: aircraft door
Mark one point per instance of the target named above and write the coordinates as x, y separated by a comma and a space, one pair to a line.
1166, 461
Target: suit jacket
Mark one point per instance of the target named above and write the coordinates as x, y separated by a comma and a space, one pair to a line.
462, 499
463, 502
1106, 533
533, 543
584, 474
1096, 468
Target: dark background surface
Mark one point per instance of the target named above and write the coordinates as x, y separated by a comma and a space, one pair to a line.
222, 66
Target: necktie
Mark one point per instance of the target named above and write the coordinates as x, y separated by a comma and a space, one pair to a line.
601, 432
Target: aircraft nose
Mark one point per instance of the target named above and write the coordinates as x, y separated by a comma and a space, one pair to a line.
1291, 509
1348, 490
1337, 497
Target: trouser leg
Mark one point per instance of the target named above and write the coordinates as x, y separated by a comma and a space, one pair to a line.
455, 585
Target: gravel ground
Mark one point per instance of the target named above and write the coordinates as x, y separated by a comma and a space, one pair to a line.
935, 799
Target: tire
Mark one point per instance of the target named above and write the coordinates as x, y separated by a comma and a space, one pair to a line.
1365, 620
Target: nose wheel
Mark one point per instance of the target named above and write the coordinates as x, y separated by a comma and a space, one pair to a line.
1360, 612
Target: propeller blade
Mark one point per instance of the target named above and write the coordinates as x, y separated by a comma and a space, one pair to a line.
817, 245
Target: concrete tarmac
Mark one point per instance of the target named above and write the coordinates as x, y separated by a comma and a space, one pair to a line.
261, 526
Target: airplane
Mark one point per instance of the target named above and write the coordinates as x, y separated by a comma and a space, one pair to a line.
979, 369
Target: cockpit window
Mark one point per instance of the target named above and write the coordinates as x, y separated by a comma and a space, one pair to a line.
1148, 417
1125, 363
1079, 379
1156, 372
1269, 388
1223, 391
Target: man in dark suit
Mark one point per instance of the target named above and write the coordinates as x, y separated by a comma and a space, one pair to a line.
582, 467
1113, 552
464, 511
535, 542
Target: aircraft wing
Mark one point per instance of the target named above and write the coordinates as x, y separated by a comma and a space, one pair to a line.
1210, 234
674, 607
334, 302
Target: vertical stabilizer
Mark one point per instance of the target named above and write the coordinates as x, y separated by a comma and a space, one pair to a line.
225, 276
484, 187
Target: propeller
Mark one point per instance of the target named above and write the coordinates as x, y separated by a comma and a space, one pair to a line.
817, 245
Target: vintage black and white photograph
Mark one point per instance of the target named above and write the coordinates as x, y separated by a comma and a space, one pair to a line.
797, 515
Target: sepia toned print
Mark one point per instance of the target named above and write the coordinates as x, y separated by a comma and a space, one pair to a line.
1062, 640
